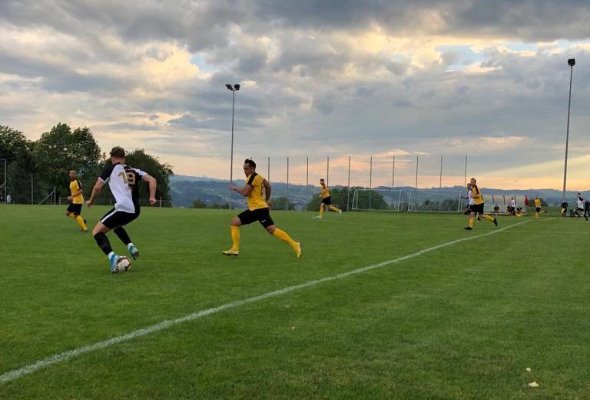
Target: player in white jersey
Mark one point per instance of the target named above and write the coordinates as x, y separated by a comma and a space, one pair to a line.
124, 184
579, 204
512, 207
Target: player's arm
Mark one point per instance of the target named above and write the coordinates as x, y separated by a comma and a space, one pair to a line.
267, 189
267, 192
74, 194
244, 191
152, 182
95, 191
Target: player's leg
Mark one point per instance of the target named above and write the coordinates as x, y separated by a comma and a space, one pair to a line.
335, 209
73, 212
271, 228
235, 232
81, 222
470, 221
124, 236
106, 223
321, 209
488, 217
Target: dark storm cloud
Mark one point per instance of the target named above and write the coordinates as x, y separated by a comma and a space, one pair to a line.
205, 25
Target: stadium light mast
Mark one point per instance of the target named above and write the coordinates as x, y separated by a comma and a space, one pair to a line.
571, 62
233, 88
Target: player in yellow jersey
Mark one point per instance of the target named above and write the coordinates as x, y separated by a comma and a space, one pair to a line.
326, 200
477, 208
76, 199
537, 207
257, 192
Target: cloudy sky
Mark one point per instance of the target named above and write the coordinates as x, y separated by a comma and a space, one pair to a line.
395, 80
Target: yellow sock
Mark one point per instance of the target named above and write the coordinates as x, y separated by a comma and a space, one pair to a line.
235, 238
284, 236
536, 215
334, 208
488, 217
471, 222
81, 222
321, 211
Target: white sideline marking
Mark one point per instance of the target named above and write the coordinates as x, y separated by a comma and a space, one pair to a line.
68, 355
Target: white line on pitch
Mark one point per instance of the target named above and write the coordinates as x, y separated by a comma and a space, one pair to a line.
68, 355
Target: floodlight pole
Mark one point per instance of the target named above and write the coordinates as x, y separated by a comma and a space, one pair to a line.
233, 88
571, 62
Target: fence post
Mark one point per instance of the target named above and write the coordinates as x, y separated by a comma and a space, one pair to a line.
393, 173
307, 176
465, 181
287, 196
370, 181
416, 183
348, 193
328, 170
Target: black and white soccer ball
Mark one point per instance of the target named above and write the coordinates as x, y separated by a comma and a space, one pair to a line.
123, 264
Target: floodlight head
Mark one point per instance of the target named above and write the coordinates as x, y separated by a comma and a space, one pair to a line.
571, 62
227, 85
237, 86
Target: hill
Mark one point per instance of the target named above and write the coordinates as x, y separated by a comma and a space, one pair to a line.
186, 189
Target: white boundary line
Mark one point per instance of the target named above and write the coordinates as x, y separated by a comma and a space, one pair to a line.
68, 355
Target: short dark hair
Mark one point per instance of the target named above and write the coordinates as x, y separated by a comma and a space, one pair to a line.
250, 163
118, 151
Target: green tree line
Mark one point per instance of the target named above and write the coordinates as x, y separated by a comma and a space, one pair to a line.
36, 167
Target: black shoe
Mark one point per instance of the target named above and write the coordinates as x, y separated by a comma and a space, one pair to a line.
496, 221
468, 228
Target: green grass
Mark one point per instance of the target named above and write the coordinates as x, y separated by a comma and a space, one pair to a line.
460, 322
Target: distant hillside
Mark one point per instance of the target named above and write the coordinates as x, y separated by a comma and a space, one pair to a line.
186, 189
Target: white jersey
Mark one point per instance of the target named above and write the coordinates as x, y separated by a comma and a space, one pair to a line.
580, 202
123, 182
513, 203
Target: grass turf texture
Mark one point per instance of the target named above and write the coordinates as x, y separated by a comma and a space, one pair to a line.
460, 322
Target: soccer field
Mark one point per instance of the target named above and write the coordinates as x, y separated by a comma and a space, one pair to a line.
380, 306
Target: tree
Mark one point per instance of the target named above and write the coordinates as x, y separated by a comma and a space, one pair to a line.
199, 204
17, 150
60, 150
282, 203
13, 144
162, 172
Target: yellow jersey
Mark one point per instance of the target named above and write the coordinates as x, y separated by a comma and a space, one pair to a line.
476, 195
537, 203
257, 197
76, 186
325, 192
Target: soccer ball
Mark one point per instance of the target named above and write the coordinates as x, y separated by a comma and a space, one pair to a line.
123, 264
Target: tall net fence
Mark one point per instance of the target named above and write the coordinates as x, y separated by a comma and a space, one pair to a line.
379, 182
404, 183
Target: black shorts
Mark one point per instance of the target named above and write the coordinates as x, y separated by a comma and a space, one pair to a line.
477, 208
538, 209
261, 215
75, 209
327, 200
114, 219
